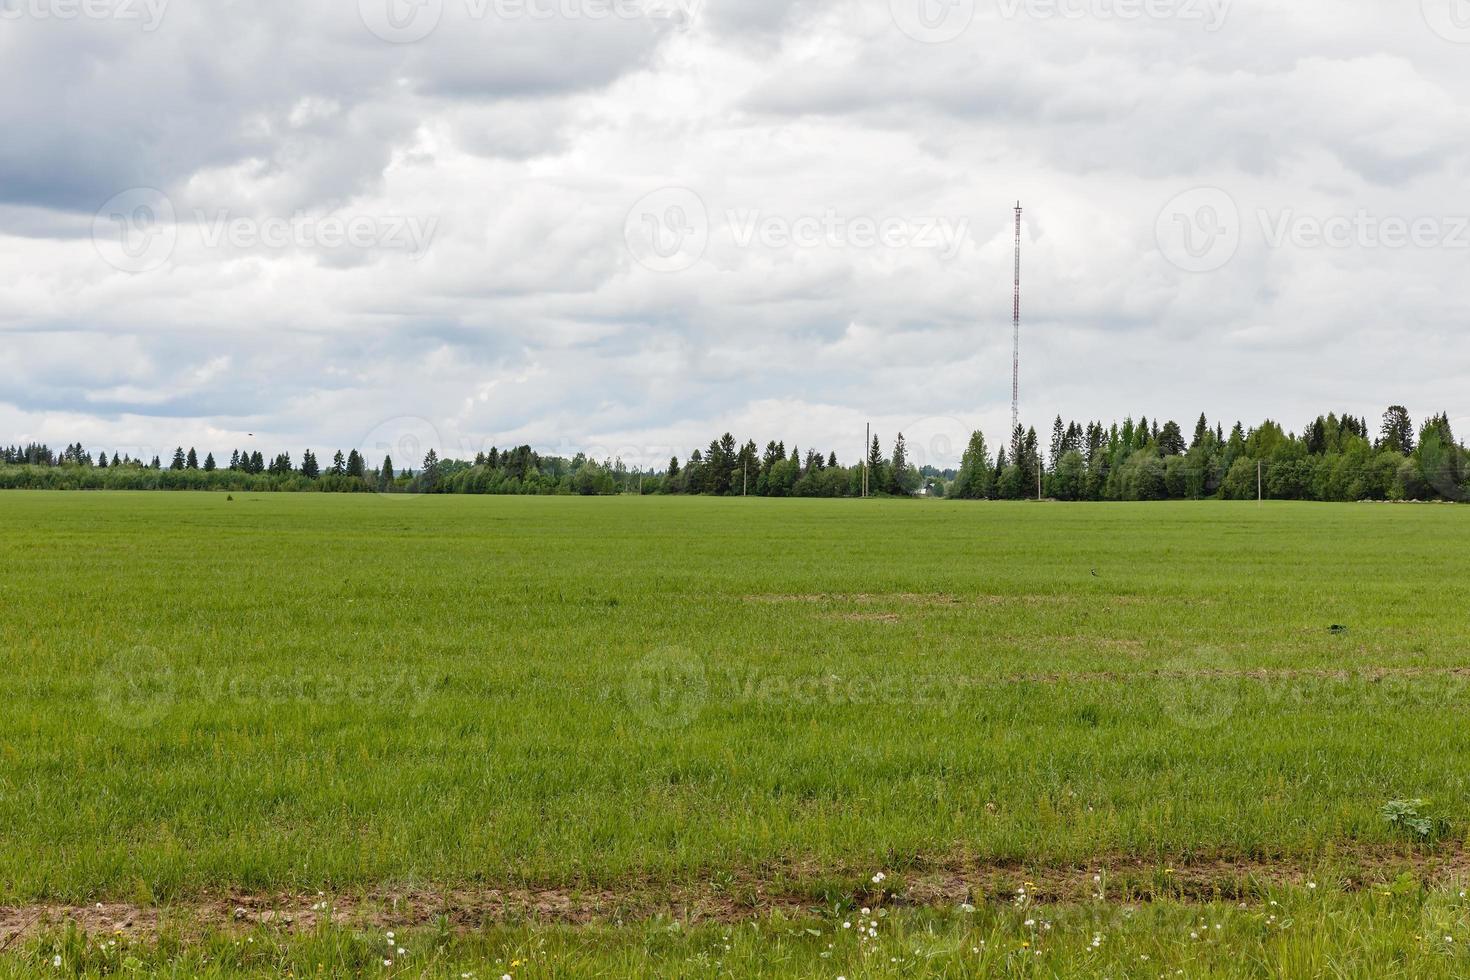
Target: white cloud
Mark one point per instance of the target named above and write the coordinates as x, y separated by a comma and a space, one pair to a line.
526, 141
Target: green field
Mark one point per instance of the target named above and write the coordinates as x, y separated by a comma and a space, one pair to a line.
616, 731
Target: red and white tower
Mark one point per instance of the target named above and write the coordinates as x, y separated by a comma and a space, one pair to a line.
1016, 333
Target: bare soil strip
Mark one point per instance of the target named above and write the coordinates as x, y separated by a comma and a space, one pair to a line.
950, 599
1363, 674
1112, 881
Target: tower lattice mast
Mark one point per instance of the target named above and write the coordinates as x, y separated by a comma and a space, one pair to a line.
1016, 332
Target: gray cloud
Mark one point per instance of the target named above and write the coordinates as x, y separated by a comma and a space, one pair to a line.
527, 142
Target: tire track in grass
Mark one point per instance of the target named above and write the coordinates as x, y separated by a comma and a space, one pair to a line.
1105, 882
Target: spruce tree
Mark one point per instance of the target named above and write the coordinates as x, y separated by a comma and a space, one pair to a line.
1171, 439
1031, 463
897, 483
975, 480
1398, 430
730, 461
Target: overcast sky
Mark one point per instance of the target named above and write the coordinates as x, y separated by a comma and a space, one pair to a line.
627, 226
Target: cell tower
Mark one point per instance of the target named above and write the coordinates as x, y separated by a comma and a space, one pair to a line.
1016, 332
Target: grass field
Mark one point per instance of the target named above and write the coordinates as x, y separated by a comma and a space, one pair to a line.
617, 731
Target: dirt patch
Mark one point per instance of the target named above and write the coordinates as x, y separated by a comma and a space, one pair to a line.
1129, 645
462, 908
1365, 675
862, 598
948, 599
1032, 599
99, 919
793, 891
1134, 880
868, 617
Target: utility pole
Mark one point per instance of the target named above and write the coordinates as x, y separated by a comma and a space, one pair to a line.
1038, 481
1259, 494
744, 476
867, 441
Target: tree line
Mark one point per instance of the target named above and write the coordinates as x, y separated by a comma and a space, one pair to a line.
512, 471
1333, 458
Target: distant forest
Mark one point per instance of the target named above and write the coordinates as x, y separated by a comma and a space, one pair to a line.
1333, 458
